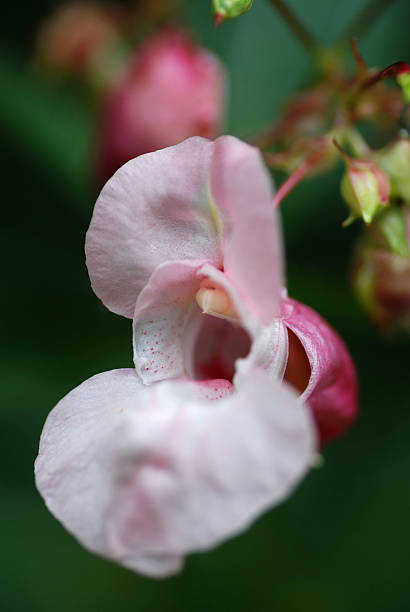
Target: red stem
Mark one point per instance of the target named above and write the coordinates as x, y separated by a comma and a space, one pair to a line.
297, 175
390, 72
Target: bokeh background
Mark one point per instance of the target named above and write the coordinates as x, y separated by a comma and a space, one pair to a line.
341, 542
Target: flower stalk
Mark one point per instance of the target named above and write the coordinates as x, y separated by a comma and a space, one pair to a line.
365, 19
297, 27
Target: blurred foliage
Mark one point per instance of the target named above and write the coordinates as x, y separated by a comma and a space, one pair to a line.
340, 542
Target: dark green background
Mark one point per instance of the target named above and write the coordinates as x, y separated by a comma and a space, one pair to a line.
341, 542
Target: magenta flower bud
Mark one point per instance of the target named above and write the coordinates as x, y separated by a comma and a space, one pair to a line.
171, 89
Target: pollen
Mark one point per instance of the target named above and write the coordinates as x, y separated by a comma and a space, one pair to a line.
215, 301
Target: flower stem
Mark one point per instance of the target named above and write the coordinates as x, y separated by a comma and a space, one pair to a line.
296, 26
364, 20
297, 176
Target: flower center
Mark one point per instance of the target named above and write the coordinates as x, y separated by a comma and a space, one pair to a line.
218, 344
215, 301
220, 339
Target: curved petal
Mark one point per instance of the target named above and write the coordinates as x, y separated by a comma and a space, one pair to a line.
154, 209
145, 476
242, 192
269, 351
161, 321
331, 391
269, 343
197, 472
75, 463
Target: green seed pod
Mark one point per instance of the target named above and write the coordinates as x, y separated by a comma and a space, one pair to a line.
228, 9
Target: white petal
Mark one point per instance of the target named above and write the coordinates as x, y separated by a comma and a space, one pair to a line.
76, 459
145, 476
202, 471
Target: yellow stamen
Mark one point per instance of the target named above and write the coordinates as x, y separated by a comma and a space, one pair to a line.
216, 302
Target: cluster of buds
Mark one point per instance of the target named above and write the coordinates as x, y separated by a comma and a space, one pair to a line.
319, 126
381, 269
324, 118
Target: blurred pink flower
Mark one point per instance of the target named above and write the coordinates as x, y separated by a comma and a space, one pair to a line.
76, 33
171, 89
144, 466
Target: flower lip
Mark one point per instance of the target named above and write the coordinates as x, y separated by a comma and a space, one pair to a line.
144, 475
218, 344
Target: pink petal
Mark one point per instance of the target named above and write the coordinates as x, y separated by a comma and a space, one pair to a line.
162, 318
145, 476
154, 209
242, 192
331, 391
74, 468
198, 472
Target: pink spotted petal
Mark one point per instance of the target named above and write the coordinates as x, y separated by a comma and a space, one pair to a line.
162, 320
173, 338
154, 209
242, 192
144, 477
329, 372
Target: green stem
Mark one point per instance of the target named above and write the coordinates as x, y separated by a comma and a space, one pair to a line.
296, 26
364, 20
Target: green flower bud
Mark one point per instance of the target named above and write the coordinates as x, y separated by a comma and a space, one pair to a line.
389, 231
395, 160
365, 188
228, 9
381, 281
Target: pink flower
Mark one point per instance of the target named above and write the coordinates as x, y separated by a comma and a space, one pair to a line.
145, 466
171, 89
